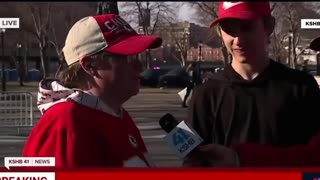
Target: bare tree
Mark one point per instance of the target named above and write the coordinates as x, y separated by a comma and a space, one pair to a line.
12, 45
40, 15
107, 7
277, 44
160, 12
182, 49
148, 16
292, 19
25, 47
278, 38
288, 15
205, 13
178, 39
46, 24
57, 44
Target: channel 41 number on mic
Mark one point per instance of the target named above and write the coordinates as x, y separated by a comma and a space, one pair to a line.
180, 137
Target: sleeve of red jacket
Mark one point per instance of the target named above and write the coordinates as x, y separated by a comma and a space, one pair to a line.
266, 155
60, 144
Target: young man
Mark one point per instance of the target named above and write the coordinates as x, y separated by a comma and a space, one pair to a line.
252, 154
90, 128
255, 99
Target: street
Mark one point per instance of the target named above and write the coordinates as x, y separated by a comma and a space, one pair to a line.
146, 109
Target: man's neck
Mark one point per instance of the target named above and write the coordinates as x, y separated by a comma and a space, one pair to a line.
250, 71
110, 99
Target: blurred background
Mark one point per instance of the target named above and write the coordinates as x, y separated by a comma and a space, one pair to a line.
34, 50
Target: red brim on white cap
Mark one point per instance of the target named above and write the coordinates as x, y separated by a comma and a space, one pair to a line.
135, 45
245, 15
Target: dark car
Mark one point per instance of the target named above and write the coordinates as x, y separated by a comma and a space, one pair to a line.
150, 77
177, 77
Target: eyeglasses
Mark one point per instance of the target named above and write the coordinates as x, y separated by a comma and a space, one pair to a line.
232, 26
103, 56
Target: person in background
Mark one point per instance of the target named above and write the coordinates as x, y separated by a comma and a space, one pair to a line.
254, 100
89, 127
193, 72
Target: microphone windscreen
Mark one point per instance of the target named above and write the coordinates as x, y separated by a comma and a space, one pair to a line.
168, 122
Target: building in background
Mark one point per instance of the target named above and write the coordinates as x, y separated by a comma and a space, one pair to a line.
182, 39
208, 54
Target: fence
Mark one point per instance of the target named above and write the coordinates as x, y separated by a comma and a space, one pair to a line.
16, 109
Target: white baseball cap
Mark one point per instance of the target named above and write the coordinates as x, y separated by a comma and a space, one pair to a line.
107, 32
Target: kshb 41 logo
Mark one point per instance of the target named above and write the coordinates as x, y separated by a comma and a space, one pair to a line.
180, 138
183, 139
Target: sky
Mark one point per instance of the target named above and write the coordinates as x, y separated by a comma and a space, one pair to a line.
185, 13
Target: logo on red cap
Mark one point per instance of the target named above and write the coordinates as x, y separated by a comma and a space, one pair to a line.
117, 24
227, 5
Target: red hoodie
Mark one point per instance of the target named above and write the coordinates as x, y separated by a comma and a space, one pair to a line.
79, 130
78, 135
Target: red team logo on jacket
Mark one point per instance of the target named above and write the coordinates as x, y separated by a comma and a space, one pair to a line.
133, 141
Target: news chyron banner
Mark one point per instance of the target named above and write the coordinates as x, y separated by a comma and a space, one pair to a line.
10, 162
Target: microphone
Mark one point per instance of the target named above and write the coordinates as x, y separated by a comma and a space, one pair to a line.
168, 122
181, 138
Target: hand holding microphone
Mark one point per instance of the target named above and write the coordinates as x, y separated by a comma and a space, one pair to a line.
183, 140
218, 155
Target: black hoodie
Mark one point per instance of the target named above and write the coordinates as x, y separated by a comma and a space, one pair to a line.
279, 107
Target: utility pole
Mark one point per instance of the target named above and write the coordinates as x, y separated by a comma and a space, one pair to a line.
3, 62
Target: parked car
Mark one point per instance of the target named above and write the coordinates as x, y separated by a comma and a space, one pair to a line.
150, 77
177, 77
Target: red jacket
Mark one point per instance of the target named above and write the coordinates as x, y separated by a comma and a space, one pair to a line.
77, 135
267, 155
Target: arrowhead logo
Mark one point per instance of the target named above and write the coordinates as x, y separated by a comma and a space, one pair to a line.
227, 5
133, 141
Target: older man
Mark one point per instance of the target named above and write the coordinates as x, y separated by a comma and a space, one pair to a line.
90, 128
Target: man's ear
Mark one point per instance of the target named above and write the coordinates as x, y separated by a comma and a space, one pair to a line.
86, 66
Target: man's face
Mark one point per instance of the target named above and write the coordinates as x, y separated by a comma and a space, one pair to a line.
121, 76
245, 40
126, 71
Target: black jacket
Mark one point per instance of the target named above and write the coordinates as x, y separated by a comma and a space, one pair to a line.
279, 107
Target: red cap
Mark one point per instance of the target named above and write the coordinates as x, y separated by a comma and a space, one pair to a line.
242, 10
107, 32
